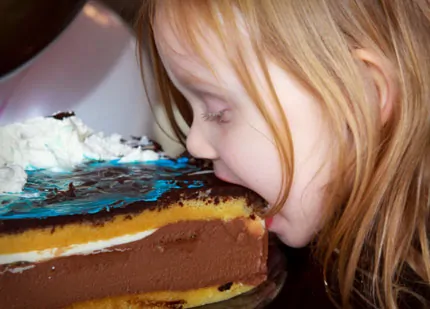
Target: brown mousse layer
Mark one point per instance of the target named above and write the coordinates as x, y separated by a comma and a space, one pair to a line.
182, 256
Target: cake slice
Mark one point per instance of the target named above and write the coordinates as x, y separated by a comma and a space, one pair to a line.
161, 234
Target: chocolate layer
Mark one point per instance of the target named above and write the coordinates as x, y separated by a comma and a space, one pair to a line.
116, 183
181, 256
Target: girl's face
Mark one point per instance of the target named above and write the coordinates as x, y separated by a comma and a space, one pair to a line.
229, 130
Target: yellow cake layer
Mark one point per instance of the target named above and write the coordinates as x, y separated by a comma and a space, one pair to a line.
178, 299
81, 233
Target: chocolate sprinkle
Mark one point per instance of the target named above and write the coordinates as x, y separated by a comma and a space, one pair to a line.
63, 115
225, 287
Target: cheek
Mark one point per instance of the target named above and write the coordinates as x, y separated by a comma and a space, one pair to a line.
252, 162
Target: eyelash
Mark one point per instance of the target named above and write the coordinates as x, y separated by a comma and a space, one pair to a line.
217, 117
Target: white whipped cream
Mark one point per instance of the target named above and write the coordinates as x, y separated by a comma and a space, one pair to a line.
12, 178
80, 249
48, 143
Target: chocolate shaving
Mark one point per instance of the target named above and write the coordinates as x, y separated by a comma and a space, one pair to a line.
63, 115
225, 287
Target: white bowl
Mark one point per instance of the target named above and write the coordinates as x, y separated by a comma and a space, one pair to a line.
90, 69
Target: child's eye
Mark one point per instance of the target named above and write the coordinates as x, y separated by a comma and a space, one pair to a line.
218, 117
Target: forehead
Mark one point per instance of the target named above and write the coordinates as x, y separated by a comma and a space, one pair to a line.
185, 54
198, 49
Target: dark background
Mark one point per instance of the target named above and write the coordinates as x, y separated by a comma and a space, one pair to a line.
127, 9
29, 26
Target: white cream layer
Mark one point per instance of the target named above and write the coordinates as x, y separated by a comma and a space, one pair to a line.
81, 249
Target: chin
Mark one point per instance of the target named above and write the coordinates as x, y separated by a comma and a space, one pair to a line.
291, 238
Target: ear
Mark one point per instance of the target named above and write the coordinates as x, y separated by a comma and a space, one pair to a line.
383, 76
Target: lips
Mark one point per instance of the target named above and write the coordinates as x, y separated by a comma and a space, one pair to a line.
268, 222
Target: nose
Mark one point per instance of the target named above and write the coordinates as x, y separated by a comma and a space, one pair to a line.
198, 144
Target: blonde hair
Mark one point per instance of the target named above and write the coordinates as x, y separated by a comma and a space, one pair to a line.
376, 224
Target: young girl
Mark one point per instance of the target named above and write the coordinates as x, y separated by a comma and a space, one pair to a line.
322, 107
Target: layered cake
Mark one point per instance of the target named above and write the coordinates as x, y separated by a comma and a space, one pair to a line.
120, 227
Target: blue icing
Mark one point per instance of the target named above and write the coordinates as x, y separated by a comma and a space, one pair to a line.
98, 186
